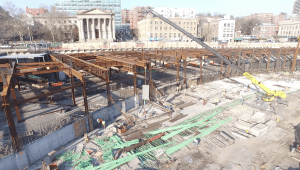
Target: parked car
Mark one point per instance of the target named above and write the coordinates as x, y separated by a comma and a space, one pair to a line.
5, 46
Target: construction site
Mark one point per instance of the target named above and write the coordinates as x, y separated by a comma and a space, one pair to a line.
163, 108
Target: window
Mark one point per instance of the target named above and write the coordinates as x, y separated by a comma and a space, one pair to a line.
179, 35
151, 35
150, 28
160, 28
187, 23
45, 22
170, 35
194, 28
161, 35
170, 28
179, 22
150, 22
166, 35
155, 22
191, 28
70, 21
160, 22
155, 35
183, 23
187, 28
174, 35
224, 25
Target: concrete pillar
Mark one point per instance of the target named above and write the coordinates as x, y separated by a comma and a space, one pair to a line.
109, 29
88, 28
113, 29
105, 29
79, 28
93, 29
99, 23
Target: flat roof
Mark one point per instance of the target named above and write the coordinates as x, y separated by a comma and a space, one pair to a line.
23, 56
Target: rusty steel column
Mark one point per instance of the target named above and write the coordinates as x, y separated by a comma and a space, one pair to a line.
145, 76
259, 62
295, 57
108, 90
283, 66
9, 117
13, 94
136, 98
150, 80
221, 75
278, 60
244, 60
85, 98
228, 67
268, 61
156, 56
252, 60
73, 91
239, 60
185, 72
178, 64
200, 78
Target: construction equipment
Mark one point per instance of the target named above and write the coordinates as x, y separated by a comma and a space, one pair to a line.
269, 96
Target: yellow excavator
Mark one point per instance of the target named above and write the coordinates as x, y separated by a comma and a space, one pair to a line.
268, 96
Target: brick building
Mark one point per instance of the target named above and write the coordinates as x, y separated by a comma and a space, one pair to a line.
125, 16
268, 17
36, 11
265, 31
136, 16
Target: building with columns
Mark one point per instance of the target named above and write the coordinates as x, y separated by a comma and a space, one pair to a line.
96, 24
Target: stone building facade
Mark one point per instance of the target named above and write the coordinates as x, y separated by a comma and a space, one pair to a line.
93, 25
152, 29
96, 24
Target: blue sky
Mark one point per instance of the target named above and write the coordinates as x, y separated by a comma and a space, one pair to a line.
234, 7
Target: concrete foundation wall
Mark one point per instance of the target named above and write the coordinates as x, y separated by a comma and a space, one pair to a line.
38, 149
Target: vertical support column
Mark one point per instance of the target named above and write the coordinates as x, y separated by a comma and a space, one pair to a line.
88, 28
185, 71
252, 60
113, 28
244, 60
239, 60
9, 117
221, 74
278, 60
73, 92
295, 57
200, 79
178, 64
13, 94
145, 75
105, 28
268, 62
135, 92
108, 90
259, 62
79, 28
228, 67
93, 28
283, 66
85, 98
100, 29
150, 80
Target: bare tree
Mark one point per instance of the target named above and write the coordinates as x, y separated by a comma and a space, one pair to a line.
17, 21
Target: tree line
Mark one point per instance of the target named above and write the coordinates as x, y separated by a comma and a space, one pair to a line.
17, 25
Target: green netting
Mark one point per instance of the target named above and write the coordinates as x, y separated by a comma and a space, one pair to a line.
156, 151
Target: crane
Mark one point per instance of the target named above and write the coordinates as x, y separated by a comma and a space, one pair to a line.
270, 94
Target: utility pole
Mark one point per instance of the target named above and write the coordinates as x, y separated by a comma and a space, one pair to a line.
295, 56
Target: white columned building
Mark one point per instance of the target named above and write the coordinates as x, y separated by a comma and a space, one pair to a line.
96, 25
